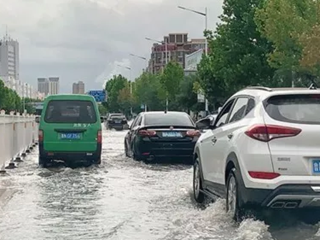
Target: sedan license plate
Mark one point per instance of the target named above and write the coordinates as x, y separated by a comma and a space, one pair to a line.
117, 121
316, 166
171, 134
70, 136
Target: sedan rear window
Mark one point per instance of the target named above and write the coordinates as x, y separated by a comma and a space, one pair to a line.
168, 119
70, 111
302, 108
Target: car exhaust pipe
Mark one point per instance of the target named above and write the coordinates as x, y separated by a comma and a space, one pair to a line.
278, 205
291, 205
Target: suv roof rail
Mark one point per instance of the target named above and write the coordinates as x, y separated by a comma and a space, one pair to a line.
259, 88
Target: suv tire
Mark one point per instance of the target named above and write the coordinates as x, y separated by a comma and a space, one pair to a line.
232, 199
197, 183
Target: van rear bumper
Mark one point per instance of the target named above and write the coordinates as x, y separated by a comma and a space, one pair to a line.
70, 156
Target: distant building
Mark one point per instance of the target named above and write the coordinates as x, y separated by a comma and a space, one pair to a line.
178, 46
78, 88
53, 85
48, 86
43, 85
9, 57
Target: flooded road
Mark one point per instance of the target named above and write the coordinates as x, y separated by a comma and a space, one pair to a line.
121, 199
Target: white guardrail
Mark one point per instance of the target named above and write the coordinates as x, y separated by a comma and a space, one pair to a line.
18, 136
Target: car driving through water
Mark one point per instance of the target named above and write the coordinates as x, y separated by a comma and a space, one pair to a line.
117, 121
263, 151
70, 130
161, 135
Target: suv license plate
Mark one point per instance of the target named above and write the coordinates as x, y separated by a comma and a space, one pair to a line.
316, 165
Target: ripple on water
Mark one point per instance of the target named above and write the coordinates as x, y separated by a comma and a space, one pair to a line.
121, 199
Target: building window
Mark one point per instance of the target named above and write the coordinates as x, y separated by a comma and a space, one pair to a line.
179, 38
172, 39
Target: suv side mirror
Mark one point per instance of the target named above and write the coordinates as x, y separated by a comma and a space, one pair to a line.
219, 109
203, 124
102, 119
37, 119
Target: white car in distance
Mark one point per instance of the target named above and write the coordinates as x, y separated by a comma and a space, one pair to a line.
263, 150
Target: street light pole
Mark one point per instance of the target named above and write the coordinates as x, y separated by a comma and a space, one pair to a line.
166, 55
205, 14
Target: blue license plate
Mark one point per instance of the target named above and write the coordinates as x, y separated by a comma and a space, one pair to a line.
316, 166
70, 135
171, 134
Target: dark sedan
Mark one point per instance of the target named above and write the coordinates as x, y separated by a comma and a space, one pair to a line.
117, 121
161, 135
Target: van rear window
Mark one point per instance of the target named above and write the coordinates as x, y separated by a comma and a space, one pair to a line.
70, 111
302, 108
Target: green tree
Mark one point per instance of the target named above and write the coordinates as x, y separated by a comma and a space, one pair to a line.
171, 78
284, 23
113, 88
125, 99
148, 91
239, 53
187, 98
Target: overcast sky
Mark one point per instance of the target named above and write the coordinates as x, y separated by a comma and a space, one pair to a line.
86, 39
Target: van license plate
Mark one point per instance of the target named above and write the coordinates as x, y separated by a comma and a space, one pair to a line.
171, 134
316, 165
70, 136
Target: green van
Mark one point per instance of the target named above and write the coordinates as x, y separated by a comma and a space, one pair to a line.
70, 129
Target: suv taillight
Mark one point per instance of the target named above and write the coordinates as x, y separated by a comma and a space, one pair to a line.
99, 137
40, 136
266, 133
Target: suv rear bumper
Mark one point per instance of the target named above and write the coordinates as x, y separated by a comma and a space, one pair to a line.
287, 196
70, 156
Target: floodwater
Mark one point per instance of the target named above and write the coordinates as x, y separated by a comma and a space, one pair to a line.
121, 199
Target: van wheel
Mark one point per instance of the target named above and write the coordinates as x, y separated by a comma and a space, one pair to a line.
42, 162
232, 199
97, 160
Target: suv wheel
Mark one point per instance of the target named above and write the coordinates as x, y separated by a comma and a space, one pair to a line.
197, 183
232, 199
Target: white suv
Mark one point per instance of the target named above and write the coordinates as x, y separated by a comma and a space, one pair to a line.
263, 150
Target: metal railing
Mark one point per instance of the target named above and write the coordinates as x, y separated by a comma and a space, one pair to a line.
18, 135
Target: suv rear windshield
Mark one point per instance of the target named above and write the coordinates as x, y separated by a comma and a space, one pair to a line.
168, 119
70, 111
302, 108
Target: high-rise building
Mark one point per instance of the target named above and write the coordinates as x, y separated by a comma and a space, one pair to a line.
178, 46
9, 58
48, 86
78, 88
53, 85
43, 85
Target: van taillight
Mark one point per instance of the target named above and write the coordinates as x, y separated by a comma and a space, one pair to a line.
267, 132
40, 136
99, 137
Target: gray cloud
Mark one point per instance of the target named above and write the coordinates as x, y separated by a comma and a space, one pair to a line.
86, 39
